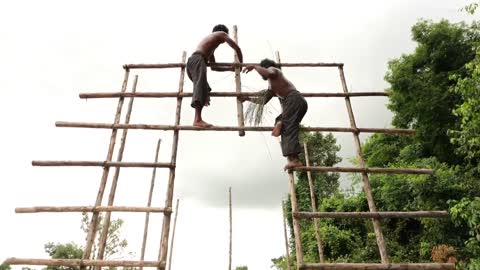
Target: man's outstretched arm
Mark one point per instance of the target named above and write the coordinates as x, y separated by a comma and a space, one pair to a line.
234, 46
213, 67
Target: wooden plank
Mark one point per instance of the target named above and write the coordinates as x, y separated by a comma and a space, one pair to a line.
287, 252
365, 170
173, 236
106, 164
41, 209
227, 128
238, 87
296, 224
182, 65
221, 94
378, 266
377, 215
82, 263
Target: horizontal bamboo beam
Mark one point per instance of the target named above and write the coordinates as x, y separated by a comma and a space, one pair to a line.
179, 65
366, 170
79, 262
217, 94
378, 215
227, 128
101, 163
40, 209
378, 266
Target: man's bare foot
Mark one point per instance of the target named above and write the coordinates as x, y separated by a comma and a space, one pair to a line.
292, 164
201, 124
277, 130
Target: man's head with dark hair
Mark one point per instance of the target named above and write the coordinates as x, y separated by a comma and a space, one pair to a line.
220, 27
266, 63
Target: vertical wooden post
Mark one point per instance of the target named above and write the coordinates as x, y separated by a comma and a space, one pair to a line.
314, 206
111, 196
366, 183
92, 228
296, 223
149, 203
173, 236
230, 222
287, 252
162, 254
238, 86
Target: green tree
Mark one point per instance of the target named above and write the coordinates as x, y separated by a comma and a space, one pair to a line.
243, 267
420, 82
63, 251
5, 266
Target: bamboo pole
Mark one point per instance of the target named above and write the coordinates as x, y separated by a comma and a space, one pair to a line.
105, 164
228, 128
171, 179
82, 262
365, 170
378, 266
182, 65
92, 229
149, 203
296, 224
382, 247
287, 252
40, 209
238, 86
220, 94
313, 205
230, 227
113, 187
173, 235
377, 215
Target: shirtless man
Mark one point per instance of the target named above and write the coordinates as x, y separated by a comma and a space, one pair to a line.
197, 69
294, 107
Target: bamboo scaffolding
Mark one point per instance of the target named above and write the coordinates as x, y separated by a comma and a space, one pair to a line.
238, 86
83, 263
287, 252
106, 164
377, 215
382, 247
296, 224
113, 187
220, 94
313, 205
149, 203
228, 128
171, 179
41, 209
92, 229
374, 266
230, 228
365, 170
182, 65
173, 236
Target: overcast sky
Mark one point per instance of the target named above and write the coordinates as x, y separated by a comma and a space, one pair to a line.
50, 51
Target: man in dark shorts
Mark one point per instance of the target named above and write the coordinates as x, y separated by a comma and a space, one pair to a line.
294, 107
197, 69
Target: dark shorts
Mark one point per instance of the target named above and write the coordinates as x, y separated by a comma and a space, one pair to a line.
197, 72
294, 108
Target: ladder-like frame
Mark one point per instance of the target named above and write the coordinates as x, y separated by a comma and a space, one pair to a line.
167, 209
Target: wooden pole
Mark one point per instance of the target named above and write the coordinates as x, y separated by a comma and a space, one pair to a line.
230, 231
41, 209
171, 179
92, 229
313, 205
377, 215
228, 128
287, 252
221, 94
105, 164
113, 187
149, 203
296, 224
238, 86
373, 266
182, 65
83, 263
366, 183
365, 170
173, 235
